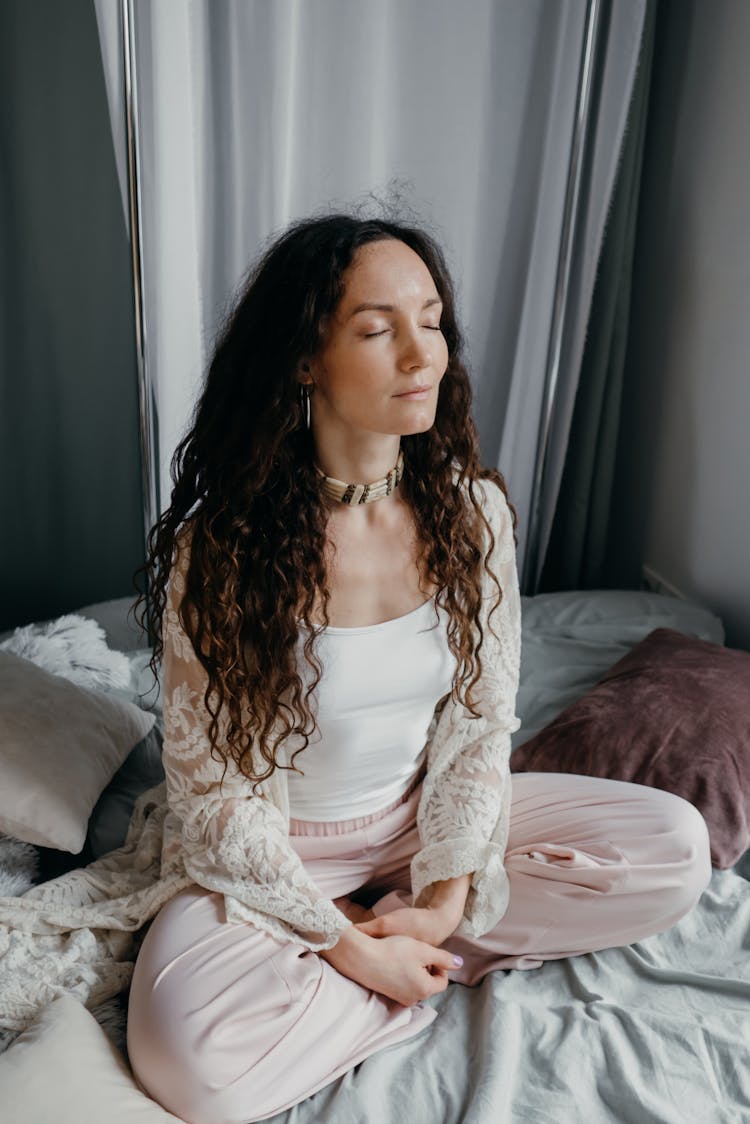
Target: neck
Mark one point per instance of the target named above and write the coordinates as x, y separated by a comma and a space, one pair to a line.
359, 465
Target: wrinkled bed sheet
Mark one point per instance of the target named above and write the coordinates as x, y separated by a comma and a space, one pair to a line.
653, 1033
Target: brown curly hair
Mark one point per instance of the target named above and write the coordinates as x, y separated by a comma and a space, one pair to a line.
246, 492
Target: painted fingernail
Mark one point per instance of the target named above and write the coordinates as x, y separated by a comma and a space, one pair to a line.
458, 961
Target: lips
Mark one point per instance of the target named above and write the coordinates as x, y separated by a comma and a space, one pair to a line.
414, 390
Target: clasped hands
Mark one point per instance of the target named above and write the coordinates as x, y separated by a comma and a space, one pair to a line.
431, 924
399, 953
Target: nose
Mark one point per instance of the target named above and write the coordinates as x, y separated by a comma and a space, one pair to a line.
415, 352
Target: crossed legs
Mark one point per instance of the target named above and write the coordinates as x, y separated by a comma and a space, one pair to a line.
228, 1025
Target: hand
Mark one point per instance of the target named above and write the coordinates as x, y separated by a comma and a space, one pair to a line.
409, 970
353, 910
433, 926
399, 967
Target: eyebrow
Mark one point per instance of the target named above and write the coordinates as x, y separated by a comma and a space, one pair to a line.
367, 306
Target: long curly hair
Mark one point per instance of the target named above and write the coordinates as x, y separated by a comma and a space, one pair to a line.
245, 491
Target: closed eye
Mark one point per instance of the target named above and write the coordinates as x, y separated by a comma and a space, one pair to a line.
429, 327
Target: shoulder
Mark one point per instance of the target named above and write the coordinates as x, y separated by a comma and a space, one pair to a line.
491, 498
498, 513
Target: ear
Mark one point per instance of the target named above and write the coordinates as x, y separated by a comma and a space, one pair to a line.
303, 373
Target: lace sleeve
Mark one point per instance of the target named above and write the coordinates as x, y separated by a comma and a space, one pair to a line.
464, 811
232, 841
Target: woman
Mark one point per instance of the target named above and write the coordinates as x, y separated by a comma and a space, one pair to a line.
341, 644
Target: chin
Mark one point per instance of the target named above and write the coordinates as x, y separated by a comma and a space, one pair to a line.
422, 426
422, 421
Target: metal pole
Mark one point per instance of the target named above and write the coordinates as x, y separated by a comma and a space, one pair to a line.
146, 393
592, 46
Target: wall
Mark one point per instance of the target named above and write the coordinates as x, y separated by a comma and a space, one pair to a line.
683, 465
70, 493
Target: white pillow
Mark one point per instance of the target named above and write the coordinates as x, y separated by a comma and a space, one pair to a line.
60, 745
63, 1068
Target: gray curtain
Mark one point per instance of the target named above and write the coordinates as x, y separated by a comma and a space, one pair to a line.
576, 556
532, 439
254, 114
70, 499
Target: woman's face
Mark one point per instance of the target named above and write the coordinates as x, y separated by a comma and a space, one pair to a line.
383, 343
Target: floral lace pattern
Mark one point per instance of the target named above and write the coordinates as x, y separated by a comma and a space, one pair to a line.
76, 934
232, 841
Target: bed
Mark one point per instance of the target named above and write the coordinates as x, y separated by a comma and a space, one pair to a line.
656, 1032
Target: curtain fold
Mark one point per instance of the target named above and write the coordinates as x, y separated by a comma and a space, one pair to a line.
254, 114
109, 24
576, 555
621, 37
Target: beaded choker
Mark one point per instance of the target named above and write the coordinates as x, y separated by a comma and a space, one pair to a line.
361, 493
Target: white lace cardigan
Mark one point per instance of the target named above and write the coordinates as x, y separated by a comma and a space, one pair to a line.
76, 932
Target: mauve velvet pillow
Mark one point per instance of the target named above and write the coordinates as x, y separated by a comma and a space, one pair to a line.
674, 713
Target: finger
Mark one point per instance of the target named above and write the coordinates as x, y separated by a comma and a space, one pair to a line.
354, 912
374, 928
387, 925
438, 981
446, 960
389, 922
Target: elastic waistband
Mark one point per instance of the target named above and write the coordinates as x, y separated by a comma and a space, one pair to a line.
340, 827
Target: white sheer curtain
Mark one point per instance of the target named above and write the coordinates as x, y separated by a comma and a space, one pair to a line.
255, 113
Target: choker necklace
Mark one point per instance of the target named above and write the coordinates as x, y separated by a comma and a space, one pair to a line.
361, 493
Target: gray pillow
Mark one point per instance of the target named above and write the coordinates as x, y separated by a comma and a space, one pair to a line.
110, 819
60, 745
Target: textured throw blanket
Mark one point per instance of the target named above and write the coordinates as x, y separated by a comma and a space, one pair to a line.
18, 866
79, 933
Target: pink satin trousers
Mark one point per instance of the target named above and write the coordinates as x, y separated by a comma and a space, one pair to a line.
228, 1025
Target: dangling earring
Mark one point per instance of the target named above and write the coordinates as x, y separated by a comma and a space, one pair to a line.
305, 402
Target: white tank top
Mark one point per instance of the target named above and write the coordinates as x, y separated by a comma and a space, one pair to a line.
376, 698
